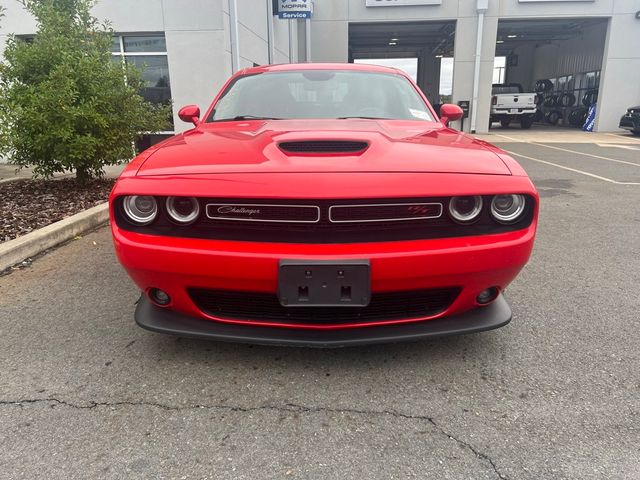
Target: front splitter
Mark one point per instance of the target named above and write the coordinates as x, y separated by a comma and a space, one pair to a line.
162, 320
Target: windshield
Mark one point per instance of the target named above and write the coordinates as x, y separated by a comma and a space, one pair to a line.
320, 94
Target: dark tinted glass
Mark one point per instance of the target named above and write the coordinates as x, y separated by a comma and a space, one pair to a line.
149, 43
146, 141
115, 44
155, 74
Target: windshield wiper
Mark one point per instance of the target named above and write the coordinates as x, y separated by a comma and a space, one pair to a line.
246, 117
365, 118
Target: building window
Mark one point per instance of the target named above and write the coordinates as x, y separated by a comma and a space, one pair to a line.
499, 69
148, 51
591, 80
446, 80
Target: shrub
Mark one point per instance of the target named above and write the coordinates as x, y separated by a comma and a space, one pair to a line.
65, 102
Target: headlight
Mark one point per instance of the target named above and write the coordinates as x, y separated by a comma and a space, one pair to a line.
141, 209
183, 209
507, 208
465, 209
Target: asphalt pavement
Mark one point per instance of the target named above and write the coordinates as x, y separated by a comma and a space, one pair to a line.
84, 393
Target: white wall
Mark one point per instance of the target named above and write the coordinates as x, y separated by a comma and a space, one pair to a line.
620, 77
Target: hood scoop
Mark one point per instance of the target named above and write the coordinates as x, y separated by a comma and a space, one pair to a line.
324, 146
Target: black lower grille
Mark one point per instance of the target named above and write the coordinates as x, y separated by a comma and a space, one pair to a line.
261, 307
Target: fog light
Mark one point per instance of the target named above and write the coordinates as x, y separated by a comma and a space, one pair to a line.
487, 296
159, 296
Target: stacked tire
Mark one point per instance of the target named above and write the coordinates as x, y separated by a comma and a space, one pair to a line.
567, 100
590, 97
578, 116
553, 117
565, 105
543, 86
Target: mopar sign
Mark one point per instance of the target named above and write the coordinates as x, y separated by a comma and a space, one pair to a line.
292, 9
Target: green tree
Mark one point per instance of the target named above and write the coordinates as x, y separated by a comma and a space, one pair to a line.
65, 104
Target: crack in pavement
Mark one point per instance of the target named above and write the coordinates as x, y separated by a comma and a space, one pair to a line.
288, 407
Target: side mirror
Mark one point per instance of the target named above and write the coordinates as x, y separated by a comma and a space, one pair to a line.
190, 114
450, 113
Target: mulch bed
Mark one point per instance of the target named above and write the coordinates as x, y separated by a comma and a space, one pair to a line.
26, 205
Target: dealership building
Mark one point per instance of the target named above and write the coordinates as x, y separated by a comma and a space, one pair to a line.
579, 50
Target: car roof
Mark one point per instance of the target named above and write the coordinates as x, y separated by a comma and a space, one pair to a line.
288, 67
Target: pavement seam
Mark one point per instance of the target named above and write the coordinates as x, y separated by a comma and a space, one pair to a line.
288, 407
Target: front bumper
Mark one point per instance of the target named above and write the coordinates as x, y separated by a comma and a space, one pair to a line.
630, 122
161, 320
176, 265
508, 112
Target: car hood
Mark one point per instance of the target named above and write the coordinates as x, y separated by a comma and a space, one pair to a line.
254, 147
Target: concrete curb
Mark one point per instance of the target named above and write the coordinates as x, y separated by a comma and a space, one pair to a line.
12, 179
16, 250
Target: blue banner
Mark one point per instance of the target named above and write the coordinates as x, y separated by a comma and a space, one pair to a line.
591, 119
293, 9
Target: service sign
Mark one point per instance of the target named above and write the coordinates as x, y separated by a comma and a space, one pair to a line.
293, 9
398, 3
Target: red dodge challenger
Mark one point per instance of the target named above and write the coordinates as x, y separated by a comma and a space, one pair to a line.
322, 205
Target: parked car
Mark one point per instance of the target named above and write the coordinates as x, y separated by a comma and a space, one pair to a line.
631, 120
510, 104
324, 205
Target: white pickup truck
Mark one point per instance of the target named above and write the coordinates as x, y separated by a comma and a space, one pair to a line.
508, 104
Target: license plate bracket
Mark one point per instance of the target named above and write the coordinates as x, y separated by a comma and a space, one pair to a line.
304, 283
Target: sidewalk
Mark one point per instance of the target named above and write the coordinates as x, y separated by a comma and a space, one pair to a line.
543, 134
8, 172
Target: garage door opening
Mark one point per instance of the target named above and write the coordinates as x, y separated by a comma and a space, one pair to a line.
558, 61
411, 46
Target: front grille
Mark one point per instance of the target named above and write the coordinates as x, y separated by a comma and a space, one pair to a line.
266, 308
324, 221
262, 212
392, 212
323, 146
